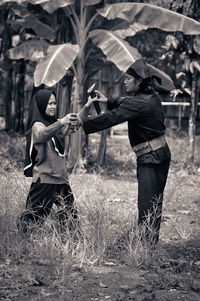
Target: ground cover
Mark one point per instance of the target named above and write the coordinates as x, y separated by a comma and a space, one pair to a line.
106, 260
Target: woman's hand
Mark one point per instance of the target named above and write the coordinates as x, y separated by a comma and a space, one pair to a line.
90, 101
71, 123
69, 119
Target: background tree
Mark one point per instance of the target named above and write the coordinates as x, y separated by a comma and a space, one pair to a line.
6, 65
18, 24
183, 52
107, 28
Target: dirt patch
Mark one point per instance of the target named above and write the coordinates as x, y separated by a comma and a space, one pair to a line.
173, 276
171, 273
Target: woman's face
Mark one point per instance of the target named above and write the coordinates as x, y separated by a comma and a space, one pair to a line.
51, 106
131, 84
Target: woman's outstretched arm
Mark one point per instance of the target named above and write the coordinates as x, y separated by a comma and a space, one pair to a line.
43, 133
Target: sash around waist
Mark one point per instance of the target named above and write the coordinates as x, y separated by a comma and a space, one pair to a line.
149, 146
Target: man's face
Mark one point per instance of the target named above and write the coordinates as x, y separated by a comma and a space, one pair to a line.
131, 84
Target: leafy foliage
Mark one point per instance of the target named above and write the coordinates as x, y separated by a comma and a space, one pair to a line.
136, 17
51, 6
42, 30
30, 50
184, 53
59, 59
114, 48
92, 2
151, 16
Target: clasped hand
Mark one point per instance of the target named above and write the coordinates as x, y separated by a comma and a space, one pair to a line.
72, 121
99, 97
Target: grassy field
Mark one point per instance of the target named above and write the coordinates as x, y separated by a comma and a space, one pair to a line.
105, 260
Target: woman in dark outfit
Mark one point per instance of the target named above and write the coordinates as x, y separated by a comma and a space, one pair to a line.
45, 163
143, 110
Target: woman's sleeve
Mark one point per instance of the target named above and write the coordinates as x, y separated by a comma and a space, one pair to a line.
42, 133
64, 130
83, 114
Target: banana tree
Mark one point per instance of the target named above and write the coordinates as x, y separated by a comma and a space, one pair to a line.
97, 40
13, 30
184, 52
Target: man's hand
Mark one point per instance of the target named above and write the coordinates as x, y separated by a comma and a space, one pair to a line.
100, 97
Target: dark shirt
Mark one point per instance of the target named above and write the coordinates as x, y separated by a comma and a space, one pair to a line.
143, 112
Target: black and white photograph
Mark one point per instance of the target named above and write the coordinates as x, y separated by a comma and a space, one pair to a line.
99, 150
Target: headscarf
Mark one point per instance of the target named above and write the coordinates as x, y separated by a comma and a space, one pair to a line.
37, 109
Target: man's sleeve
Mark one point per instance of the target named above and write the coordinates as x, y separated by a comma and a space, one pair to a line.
114, 103
129, 109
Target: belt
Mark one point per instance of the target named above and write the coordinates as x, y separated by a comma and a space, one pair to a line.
149, 146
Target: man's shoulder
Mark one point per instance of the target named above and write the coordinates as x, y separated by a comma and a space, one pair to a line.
142, 101
150, 99
139, 99
130, 99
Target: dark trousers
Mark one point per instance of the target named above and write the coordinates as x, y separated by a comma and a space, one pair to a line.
151, 183
39, 203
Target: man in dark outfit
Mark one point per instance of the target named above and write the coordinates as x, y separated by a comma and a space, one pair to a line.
143, 110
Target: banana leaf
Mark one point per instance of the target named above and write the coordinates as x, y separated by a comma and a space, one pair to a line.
94, 65
166, 82
114, 48
29, 50
122, 28
92, 2
42, 30
123, 55
151, 16
19, 9
130, 31
59, 59
52, 5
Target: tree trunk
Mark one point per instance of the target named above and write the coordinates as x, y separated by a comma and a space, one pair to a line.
64, 88
64, 96
8, 68
101, 156
75, 140
7, 96
18, 117
192, 118
190, 8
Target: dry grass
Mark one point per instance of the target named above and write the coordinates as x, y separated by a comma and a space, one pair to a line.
107, 205
108, 230
106, 215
